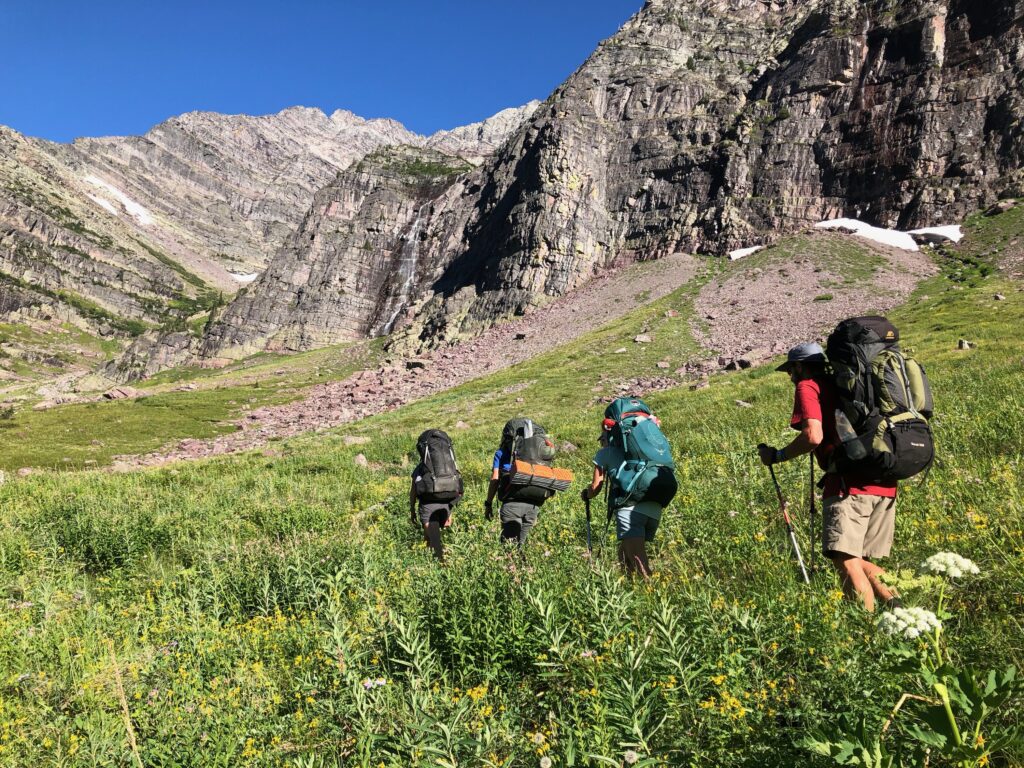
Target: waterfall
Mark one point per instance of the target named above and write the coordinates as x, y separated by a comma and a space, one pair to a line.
408, 260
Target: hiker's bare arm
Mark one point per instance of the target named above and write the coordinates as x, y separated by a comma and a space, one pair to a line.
492, 487
596, 482
810, 437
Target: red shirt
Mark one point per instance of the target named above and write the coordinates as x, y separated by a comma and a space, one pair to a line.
816, 399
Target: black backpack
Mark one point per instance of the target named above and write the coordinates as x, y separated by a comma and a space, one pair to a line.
885, 402
522, 439
439, 480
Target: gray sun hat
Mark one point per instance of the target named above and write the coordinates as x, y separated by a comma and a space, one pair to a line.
808, 352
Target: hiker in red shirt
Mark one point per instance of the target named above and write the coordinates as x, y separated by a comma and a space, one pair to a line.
858, 517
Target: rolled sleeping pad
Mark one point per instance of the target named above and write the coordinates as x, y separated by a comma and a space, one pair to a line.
539, 475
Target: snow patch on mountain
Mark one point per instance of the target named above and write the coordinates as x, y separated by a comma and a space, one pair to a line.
136, 211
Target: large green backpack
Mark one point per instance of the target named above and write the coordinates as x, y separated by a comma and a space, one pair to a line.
885, 398
522, 439
647, 471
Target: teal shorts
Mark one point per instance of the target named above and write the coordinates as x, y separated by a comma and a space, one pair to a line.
632, 523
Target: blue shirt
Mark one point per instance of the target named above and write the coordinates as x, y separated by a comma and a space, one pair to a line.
498, 464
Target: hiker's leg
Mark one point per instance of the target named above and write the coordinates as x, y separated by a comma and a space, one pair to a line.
622, 525
529, 519
634, 556
874, 574
631, 531
650, 528
432, 533
845, 522
511, 516
510, 531
855, 580
878, 542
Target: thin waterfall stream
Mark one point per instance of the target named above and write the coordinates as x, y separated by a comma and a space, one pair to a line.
408, 260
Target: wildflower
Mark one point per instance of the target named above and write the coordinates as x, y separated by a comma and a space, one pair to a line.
950, 564
630, 757
909, 623
588, 654
538, 738
545, 762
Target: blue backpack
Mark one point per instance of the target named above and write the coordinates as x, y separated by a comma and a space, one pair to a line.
647, 472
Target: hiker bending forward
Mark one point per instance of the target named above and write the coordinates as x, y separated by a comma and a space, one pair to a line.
636, 521
436, 487
858, 517
434, 516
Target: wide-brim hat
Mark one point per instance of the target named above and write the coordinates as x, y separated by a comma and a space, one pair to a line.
808, 352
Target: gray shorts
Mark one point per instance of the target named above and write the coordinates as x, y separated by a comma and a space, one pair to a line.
630, 523
517, 518
860, 525
435, 512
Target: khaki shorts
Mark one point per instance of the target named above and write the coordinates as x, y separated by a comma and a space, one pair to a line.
859, 525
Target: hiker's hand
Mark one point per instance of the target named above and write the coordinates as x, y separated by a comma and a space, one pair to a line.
412, 514
767, 454
488, 510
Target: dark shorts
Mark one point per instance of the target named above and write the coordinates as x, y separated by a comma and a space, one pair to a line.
517, 518
434, 512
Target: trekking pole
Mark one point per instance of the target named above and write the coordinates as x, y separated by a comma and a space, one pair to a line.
789, 525
586, 503
813, 512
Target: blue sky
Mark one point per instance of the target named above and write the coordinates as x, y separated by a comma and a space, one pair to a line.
113, 67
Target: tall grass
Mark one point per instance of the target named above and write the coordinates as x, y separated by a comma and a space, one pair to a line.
283, 611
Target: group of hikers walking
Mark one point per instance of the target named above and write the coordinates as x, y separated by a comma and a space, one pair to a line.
861, 409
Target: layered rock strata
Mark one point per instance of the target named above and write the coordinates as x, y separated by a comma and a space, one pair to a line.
351, 268
127, 233
700, 126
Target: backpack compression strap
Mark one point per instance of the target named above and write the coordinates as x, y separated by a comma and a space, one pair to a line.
610, 423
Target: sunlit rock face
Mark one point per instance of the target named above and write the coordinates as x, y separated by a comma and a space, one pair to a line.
351, 268
711, 126
699, 126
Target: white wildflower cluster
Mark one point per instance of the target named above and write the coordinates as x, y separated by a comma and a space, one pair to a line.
950, 564
908, 623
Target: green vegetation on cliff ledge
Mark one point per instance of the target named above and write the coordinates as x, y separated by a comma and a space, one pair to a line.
281, 610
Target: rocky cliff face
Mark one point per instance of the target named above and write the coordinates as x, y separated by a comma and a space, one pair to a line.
699, 126
122, 234
237, 185
708, 126
351, 268
76, 246
478, 141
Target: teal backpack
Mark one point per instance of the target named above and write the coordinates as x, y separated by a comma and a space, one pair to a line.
647, 472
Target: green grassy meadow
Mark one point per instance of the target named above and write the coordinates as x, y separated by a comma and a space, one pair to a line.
92, 435
283, 611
